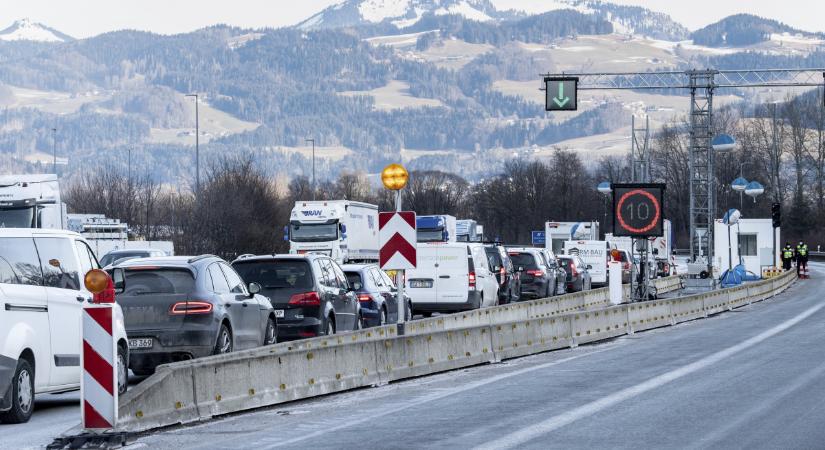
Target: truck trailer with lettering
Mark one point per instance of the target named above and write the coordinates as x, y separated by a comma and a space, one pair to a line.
345, 230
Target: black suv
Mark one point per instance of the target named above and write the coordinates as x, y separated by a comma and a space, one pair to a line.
509, 279
180, 307
537, 279
310, 293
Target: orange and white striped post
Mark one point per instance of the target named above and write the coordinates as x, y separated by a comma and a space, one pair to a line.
98, 384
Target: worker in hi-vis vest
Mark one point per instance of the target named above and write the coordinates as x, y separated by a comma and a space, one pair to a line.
787, 256
802, 260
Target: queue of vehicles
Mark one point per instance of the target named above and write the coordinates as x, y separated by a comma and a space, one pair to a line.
173, 308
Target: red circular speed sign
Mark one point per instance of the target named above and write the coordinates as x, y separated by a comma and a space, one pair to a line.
645, 227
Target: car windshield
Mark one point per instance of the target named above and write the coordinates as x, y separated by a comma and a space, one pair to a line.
121, 256
17, 218
525, 260
301, 232
276, 274
140, 281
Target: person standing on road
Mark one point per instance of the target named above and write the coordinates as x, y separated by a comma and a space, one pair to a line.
787, 256
802, 260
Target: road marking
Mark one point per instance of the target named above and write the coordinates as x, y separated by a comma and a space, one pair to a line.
534, 431
395, 408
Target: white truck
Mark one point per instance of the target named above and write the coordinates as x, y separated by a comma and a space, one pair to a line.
31, 201
557, 233
345, 230
466, 230
594, 254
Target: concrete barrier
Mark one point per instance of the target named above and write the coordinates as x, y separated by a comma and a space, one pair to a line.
200, 389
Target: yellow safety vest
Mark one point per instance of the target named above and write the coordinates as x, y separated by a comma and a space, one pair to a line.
802, 250
788, 254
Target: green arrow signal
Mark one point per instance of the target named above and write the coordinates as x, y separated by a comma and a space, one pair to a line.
561, 100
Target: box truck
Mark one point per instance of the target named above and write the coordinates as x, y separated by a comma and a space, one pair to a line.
557, 233
345, 230
594, 254
31, 201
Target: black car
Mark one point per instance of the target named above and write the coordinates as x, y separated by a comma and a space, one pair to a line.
578, 273
509, 279
537, 279
178, 307
310, 293
376, 293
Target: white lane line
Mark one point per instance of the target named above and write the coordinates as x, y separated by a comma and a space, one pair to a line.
395, 408
534, 431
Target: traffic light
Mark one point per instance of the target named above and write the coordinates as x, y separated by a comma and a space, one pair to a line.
776, 214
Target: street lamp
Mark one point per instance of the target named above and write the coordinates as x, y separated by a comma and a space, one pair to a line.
754, 189
604, 188
313, 165
197, 149
54, 150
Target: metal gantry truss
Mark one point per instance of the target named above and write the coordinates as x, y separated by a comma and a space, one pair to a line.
701, 84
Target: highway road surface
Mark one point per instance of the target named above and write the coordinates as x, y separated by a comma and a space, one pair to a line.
752, 378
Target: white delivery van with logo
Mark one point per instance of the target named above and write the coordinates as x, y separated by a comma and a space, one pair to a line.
594, 254
451, 277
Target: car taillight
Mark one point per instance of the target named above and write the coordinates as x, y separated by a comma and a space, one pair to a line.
626, 265
536, 273
471, 279
191, 307
364, 298
503, 273
305, 299
573, 270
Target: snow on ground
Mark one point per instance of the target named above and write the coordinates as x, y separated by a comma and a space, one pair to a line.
26, 30
537, 6
399, 40
464, 9
377, 10
333, 153
53, 102
450, 53
395, 95
236, 42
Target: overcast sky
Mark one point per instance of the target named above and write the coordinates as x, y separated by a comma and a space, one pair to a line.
84, 18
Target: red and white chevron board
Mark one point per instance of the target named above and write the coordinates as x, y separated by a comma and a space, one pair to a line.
396, 232
98, 385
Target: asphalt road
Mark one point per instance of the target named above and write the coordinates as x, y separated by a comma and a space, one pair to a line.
753, 378
750, 378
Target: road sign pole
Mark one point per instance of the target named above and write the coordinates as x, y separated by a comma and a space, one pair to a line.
399, 280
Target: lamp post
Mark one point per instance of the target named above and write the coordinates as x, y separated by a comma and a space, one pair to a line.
604, 188
54, 150
313, 165
197, 149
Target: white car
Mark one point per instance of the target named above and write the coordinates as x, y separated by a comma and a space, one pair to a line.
451, 277
42, 296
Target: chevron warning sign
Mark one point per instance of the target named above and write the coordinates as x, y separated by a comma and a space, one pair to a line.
396, 231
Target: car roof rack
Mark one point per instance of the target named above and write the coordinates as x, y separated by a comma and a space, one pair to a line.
195, 259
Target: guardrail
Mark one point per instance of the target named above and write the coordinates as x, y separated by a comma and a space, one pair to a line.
196, 390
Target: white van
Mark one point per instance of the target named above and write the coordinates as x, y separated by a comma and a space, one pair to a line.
451, 277
41, 301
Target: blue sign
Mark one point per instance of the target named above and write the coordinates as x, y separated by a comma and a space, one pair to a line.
538, 238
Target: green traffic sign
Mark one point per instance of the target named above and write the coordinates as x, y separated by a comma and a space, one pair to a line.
561, 93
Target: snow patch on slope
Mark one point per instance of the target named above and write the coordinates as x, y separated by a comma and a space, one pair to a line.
377, 11
26, 30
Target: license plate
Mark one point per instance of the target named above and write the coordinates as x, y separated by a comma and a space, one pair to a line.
140, 343
421, 283
279, 313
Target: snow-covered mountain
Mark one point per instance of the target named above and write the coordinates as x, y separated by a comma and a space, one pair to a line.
401, 13
26, 30
406, 13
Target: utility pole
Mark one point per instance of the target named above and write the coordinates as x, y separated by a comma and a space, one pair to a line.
313, 166
54, 150
197, 149
129, 166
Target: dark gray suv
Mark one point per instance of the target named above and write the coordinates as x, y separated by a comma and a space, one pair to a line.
310, 293
179, 307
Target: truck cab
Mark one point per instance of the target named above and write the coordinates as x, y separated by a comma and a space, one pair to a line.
438, 228
344, 230
467, 230
31, 201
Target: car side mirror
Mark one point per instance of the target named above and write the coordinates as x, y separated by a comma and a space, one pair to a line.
589, 267
119, 280
253, 288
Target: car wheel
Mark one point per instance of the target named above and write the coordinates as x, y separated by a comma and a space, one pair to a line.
122, 370
427, 314
224, 344
142, 372
359, 323
382, 318
271, 333
22, 394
